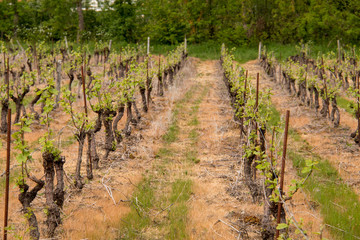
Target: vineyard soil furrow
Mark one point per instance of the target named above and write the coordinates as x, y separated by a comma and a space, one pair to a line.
221, 200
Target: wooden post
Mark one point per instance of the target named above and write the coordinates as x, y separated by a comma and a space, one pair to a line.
4, 62
358, 103
257, 92
339, 50
104, 68
110, 43
66, 45
282, 170
85, 107
58, 80
7, 183
243, 106
148, 46
84, 92
256, 110
185, 45
159, 64
259, 51
8, 81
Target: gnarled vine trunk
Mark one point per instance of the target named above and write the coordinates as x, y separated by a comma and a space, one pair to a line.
4, 112
26, 197
52, 209
107, 119
80, 137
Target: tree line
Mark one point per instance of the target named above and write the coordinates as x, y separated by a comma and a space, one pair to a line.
234, 22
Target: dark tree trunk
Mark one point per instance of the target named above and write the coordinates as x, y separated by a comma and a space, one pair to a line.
79, 77
94, 155
81, 140
59, 193
29, 63
4, 112
171, 75
325, 105
89, 155
127, 129
335, 113
143, 98
18, 102
33, 102
292, 85
137, 112
107, 119
149, 89
165, 79
26, 198
53, 212
310, 101
160, 85
317, 105
71, 77
118, 117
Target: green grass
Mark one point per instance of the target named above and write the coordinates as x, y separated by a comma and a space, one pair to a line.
172, 133
348, 106
138, 218
181, 191
327, 188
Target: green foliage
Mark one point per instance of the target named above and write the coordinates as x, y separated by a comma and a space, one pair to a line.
167, 22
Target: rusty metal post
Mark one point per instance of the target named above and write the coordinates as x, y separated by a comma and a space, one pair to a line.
7, 183
282, 173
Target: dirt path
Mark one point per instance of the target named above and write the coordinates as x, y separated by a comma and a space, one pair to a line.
219, 193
